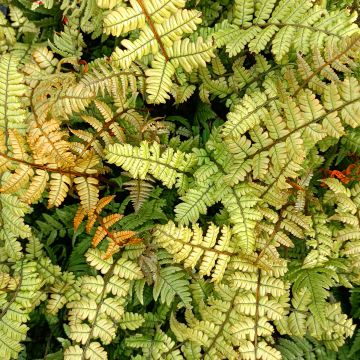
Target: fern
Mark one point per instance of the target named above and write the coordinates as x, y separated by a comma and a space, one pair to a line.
286, 24
190, 247
179, 179
304, 348
169, 167
162, 25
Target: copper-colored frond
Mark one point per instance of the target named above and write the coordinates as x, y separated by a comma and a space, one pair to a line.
79, 217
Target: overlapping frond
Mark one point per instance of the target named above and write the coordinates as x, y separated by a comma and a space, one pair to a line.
300, 25
271, 144
238, 237
161, 25
237, 323
95, 315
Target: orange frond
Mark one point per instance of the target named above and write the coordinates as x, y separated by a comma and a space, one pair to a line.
111, 250
295, 185
120, 236
90, 223
79, 217
103, 202
112, 219
100, 234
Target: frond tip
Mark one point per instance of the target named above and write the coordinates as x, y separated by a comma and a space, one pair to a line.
210, 253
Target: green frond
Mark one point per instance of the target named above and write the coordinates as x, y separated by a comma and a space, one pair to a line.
103, 77
159, 79
351, 141
154, 346
317, 282
240, 203
169, 167
131, 321
183, 21
191, 55
300, 25
221, 333
22, 295
276, 153
205, 157
12, 212
210, 253
172, 281
12, 111
68, 42
7, 34
194, 202
303, 348
100, 309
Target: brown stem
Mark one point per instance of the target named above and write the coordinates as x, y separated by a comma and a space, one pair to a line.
327, 63
153, 29
98, 133
272, 236
46, 168
257, 315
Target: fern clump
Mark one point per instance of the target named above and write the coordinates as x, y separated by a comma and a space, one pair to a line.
179, 179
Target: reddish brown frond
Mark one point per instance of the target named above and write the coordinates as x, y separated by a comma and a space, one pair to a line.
92, 216
103, 229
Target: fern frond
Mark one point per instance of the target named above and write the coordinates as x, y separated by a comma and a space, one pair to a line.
194, 202
22, 292
220, 330
281, 148
17, 179
101, 231
169, 167
240, 203
12, 89
101, 305
47, 141
59, 187
103, 77
68, 43
88, 191
210, 253
13, 226
191, 55
298, 24
159, 79
171, 281
317, 282
139, 191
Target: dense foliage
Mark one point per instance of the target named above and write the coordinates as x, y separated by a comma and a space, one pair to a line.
179, 179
